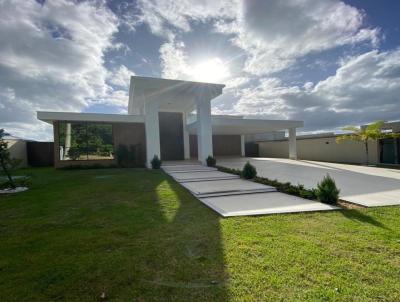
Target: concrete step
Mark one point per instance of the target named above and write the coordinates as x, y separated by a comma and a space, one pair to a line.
191, 176
231, 193
187, 168
262, 204
225, 187
181, 163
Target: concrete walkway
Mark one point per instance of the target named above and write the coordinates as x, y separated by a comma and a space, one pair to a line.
367, 186
229, 195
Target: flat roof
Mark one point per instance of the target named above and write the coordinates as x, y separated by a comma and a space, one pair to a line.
231, 126
172, 95
50, 116
152, 82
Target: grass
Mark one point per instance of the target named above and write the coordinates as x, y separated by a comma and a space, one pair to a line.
136, 235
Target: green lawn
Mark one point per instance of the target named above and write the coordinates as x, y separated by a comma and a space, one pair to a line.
138, 236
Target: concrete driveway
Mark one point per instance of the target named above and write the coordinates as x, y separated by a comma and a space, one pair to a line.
367, 186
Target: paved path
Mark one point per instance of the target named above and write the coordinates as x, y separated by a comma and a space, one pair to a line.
367, 186
229, 195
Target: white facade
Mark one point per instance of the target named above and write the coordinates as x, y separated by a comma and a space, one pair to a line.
149, 96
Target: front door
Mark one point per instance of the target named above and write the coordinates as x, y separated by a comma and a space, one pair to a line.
171, 135
388, 151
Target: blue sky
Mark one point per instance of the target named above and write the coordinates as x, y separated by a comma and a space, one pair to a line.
330, 63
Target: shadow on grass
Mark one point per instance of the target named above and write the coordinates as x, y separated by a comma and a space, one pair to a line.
134, 235
186, 259
358, 215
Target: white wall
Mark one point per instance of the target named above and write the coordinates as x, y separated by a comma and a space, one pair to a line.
322, 149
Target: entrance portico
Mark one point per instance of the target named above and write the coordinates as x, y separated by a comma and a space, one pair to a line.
149, 96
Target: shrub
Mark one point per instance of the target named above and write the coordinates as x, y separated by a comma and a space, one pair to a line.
126, 157
229, 170
327, 191
211, 161
307, 194
249, 171
74, 153
155, 162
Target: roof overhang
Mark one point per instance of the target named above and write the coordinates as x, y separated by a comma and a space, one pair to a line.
231, 126
172, 95
50, 117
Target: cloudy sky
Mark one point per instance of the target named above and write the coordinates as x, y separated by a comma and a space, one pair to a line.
330, 63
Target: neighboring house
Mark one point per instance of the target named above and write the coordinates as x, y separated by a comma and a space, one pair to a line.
30, 153
168, 118
17, 149
323, 147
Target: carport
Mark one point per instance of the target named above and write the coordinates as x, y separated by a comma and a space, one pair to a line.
238, 125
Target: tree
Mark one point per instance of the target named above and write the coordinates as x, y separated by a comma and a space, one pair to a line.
371, 132
5, 161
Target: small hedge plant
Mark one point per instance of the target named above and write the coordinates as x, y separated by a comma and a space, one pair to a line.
211, 161
286, 187
155, 162
126, 156
249, 171
327, 191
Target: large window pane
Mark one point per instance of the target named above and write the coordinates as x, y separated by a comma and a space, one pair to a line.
85, 141
99, 141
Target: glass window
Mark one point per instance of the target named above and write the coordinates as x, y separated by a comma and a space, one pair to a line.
85, 141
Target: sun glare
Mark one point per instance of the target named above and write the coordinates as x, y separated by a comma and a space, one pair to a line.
213, 70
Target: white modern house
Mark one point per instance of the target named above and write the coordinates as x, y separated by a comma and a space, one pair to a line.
168, 118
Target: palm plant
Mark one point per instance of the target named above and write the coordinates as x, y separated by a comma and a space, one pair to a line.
5, 160
372, 132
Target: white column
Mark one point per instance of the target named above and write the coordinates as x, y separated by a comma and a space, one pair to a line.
152, 128
204, 130
242, 146
198, 137
292, 143
186, 141
67, 145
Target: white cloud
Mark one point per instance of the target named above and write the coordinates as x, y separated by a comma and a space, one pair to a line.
120, 76
237, 82
368, 81
273, 34
175, 64
51, 58
115, 97
365, 88
173, 60
164, 17
276, 33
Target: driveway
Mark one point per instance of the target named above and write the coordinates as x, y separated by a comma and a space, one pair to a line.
368, 186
